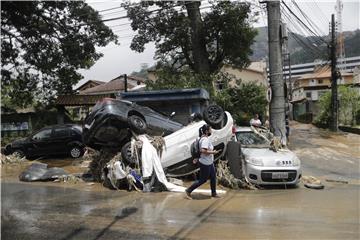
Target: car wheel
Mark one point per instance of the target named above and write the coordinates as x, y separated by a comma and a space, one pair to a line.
213, 115
137, 124
126, 154
19, 153
76, 151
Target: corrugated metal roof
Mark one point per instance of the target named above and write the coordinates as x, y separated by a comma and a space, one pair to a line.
166, 95
78, 100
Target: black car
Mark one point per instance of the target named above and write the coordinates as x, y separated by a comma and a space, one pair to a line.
111, 121
51, 140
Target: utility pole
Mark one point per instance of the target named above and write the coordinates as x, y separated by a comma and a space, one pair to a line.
277, 103
125, 83
334, 76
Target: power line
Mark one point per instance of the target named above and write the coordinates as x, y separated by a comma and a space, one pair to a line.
109, 9
308, 47
304, 25
311, 23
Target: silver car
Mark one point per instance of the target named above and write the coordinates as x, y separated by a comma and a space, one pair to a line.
263, 166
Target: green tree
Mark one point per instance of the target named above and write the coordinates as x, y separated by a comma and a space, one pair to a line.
43, 43
324, 117
189, 39
349, 106
243, 101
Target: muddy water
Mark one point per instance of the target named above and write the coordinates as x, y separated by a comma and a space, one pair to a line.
326, 154
46, 212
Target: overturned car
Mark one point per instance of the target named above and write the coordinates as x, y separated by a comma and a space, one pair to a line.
112, 123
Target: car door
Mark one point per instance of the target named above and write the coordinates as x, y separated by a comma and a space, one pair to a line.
40, 143
59, 140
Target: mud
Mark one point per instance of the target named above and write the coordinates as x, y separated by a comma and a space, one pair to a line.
47, 212
326, 154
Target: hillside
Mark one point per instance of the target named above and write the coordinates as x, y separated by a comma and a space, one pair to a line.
301, 54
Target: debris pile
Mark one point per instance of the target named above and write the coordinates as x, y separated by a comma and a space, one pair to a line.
11, 159
99, 161
226, 179
312, 182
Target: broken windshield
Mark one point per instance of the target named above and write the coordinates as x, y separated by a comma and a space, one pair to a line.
251, 139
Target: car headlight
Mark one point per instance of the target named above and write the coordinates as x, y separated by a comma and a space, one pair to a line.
296, 161
255, 161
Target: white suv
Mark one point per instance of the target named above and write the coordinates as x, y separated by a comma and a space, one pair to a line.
177, 160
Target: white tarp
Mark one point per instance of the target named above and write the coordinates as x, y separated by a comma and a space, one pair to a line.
151, 162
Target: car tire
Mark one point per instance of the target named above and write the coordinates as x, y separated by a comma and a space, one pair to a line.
76, 151
19, 153
137, 124
213, 115
126, 154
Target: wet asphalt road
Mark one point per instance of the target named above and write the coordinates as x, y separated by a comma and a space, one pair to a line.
84, 211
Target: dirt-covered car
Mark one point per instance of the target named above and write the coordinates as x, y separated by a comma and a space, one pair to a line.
263, 166
111, 121
176, 158
51, 140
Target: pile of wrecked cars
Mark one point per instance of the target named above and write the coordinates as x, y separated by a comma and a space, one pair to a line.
112, 124
116, 123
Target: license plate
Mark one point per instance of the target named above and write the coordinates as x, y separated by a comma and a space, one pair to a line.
280, 175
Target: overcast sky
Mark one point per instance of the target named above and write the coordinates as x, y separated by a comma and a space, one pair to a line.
120, 59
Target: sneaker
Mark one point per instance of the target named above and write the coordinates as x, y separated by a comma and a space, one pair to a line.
215, 196
188, 194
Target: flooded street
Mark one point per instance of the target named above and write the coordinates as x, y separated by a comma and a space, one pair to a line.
48, 210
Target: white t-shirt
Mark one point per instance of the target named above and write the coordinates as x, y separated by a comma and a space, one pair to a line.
206, 159
255, 122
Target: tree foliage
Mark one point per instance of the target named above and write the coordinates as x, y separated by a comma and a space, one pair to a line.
243, 101
43, 43
349, 106
186, 37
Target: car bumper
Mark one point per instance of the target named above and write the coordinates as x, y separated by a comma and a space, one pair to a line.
262, 175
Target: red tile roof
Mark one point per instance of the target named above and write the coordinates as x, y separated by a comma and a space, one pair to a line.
89, 81
115, 85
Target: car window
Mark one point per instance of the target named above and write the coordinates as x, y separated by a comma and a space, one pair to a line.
60, 132
250, 138
42, 135
76, 130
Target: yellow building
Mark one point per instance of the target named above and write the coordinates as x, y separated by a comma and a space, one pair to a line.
308, 88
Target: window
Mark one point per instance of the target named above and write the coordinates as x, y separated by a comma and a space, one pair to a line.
60, 132
320, 81
42, 135
308, 94
250, 138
